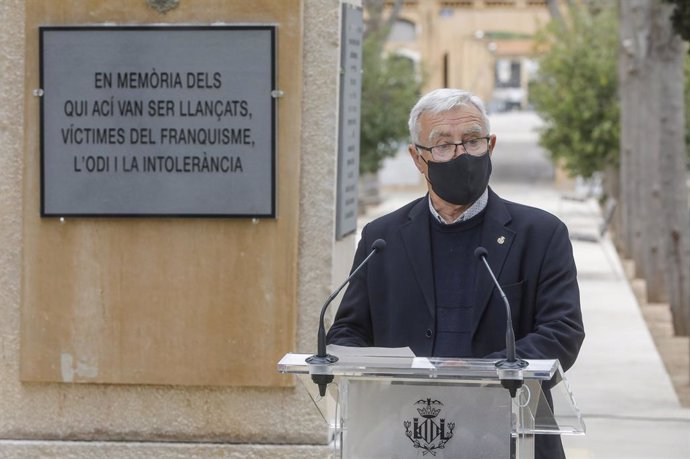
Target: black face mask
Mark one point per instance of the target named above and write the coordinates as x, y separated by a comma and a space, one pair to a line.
462, 180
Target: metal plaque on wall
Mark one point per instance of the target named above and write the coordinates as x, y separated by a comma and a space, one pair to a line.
158, 121
348, 133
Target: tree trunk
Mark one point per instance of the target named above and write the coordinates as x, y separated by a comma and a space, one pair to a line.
626, 69
673, 170
554, 10
375, 22
650, 154
654, 215
612, 189
634, 87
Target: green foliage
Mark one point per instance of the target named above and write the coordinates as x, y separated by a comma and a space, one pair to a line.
576, 90
506, 35
680, 18
390, 87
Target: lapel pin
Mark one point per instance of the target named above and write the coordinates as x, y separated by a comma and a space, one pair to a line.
501, 239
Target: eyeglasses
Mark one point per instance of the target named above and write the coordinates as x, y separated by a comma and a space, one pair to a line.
446, 151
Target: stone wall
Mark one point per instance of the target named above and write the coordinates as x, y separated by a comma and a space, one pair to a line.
99, 420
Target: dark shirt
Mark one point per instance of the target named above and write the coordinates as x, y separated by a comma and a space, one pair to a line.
454, 268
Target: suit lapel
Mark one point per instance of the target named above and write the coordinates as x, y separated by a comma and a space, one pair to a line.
417, 240
496, 239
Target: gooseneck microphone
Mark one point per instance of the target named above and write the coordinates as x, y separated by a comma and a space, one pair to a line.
512, 362
321, 357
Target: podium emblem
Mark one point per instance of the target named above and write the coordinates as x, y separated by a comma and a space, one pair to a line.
429, 432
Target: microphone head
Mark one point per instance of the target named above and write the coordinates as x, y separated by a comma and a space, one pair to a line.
378, 245
480, 252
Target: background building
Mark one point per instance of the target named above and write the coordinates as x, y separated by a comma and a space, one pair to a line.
485, 46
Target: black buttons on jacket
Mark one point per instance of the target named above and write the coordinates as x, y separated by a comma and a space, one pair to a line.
428, 333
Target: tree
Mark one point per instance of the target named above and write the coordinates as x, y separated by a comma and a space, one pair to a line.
578, 93
390, 87
656, 221
575, 90
389, 90
680, 18
673, 163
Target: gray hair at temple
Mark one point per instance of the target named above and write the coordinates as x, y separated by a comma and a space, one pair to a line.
443, 100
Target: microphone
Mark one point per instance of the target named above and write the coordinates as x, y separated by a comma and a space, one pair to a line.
321, 357
512, 362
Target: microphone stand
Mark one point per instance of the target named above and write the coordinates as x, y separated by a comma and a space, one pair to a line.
322, 358
510, 368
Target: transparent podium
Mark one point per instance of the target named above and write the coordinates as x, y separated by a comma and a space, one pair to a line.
408, 407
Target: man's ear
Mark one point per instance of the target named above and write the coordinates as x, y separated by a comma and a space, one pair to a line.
416, 157
492, 143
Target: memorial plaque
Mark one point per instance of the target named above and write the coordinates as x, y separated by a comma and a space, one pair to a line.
158, 121
348, 135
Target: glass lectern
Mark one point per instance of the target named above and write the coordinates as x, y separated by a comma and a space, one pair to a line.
408, 407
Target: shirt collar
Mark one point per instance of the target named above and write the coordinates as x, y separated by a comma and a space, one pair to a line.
472, 211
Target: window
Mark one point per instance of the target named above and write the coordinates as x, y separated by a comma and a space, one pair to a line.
403, 30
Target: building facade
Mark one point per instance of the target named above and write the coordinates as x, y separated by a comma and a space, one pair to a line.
485, 46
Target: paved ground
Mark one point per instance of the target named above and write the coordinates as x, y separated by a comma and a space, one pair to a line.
620, 383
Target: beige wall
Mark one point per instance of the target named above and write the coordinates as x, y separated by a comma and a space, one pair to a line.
471, 62
161, 300
37, 418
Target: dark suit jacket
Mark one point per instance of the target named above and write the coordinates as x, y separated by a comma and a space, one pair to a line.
391, 302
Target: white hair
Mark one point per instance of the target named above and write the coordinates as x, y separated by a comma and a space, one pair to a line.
444, 100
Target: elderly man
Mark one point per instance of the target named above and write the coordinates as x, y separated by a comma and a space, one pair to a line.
428, 291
